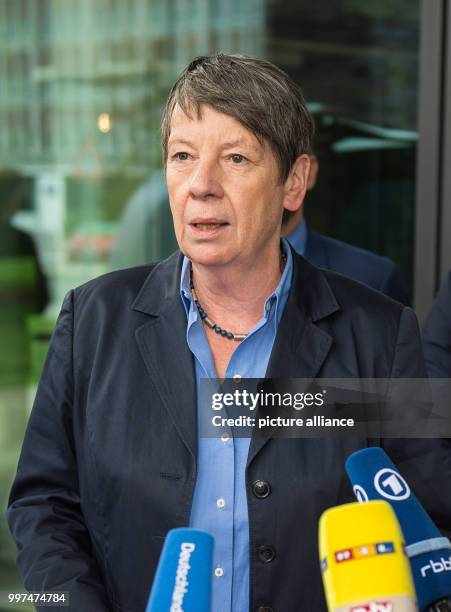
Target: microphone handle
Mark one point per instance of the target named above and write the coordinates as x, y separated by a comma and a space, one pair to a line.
442, 605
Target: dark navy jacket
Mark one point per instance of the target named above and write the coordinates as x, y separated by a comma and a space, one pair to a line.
108, 463
364, 266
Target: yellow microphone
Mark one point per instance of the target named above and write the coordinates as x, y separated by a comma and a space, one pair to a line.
363, 563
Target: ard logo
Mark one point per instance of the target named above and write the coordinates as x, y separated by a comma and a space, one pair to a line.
391, 485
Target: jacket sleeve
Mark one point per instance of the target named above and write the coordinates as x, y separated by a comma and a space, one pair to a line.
393, 285
55, 550
424, 462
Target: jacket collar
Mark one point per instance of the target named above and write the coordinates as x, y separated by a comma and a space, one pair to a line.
310, 291
161, 286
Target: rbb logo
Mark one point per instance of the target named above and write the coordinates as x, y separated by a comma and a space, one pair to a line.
374, 606
437, 567
391, 485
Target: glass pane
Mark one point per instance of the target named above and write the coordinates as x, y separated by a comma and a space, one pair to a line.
358, 65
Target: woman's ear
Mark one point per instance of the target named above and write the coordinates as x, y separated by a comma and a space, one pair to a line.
297, 182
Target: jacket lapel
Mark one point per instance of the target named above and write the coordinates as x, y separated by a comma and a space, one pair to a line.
301, 346
163, 346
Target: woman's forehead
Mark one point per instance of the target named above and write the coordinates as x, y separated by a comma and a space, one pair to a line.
186, 125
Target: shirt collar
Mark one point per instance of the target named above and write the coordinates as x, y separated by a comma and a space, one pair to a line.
185, 284
298, 237
276, 301
273, 303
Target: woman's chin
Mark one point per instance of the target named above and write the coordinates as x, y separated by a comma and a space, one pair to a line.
206, 256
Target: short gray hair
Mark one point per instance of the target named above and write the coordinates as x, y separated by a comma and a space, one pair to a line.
259, 95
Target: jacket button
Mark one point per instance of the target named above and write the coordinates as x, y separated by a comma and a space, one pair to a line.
261, 489
265, 609
266, 553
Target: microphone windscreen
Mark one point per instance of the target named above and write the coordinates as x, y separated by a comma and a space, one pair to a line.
362, 557
374, 476
183, 578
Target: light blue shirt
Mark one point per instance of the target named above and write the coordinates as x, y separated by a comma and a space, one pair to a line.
220, 504
298, 237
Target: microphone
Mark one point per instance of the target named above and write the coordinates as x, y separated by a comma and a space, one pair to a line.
374, 476
182, 581
363, 564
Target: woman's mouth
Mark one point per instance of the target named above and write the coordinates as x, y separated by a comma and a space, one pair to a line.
208, 226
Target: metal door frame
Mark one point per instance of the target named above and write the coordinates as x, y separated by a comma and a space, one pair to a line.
432, 247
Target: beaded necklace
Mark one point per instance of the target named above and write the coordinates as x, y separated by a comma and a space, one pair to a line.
211, 324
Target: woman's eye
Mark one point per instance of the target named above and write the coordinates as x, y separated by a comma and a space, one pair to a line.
237, 159
182, 156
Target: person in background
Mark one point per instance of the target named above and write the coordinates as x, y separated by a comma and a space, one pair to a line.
364, 266
437, 333
145, 231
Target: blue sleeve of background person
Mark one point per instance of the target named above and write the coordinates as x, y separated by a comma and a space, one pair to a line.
393, 285
375, 271
437, 334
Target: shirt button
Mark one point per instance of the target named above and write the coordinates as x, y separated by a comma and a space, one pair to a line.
237, 377
266, 553
219, 572
220, 502
261, 489
268, 306
225, 438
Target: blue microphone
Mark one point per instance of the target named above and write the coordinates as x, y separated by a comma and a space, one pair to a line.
374, 476
182, 581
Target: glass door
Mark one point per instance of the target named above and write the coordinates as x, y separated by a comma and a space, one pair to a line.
357, 63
